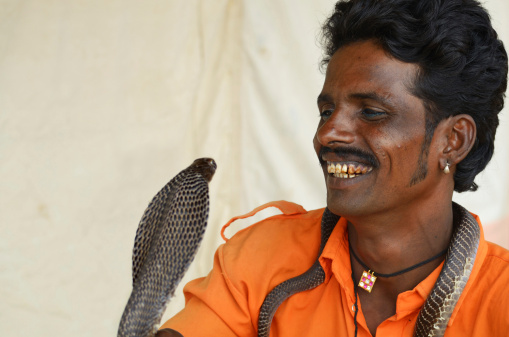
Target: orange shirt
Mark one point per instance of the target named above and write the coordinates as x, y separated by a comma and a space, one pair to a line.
246, 268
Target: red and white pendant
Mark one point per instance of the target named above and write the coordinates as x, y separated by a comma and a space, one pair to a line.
367, 281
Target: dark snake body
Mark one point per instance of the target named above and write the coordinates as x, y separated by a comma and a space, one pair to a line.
437, 309
459, 261
312, 278
166, 242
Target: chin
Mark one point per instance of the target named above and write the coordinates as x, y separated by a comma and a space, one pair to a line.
346, 206
336, 205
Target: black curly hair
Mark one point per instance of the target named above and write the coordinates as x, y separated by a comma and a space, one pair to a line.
462, 63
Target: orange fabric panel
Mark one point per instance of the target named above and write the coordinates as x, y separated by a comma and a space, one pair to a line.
255, 260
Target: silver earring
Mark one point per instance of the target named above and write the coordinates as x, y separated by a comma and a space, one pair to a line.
446, 169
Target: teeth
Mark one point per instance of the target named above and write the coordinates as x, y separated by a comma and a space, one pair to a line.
346, 171
351, 169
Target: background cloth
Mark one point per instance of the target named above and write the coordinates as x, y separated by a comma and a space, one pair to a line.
103, 101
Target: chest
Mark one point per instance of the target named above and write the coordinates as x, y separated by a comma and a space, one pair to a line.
328, 311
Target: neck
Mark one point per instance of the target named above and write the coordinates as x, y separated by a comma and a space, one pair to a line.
390, 243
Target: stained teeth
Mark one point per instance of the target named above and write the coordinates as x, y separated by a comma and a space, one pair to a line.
351, 169
346, 170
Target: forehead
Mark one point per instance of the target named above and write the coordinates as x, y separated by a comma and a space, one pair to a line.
364, 67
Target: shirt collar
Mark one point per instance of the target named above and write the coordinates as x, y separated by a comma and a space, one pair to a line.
335, 260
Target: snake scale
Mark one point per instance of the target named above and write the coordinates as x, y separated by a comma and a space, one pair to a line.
166, 242
171, 230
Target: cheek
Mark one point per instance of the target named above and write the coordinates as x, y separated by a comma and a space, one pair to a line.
399, 152
316, 145
380, 144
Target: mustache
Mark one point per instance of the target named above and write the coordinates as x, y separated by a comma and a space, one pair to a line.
349, 151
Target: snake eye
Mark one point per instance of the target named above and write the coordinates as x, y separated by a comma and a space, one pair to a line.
212, 163
206, 167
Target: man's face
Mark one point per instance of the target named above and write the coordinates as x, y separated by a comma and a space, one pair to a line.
374, 128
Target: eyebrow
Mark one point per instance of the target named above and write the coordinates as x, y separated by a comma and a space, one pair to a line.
374, 96
324, 98
364, 95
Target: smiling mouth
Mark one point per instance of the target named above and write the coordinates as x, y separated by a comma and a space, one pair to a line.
347, 170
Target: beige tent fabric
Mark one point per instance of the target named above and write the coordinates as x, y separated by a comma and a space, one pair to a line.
102, 102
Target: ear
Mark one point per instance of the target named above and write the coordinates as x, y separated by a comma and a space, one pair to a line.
461, 134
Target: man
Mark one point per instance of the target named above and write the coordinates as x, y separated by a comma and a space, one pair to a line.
408, 114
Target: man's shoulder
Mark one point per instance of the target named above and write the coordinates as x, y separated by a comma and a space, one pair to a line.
497, 258
279, 247
484, 311
493, 275
279, 231
494, 272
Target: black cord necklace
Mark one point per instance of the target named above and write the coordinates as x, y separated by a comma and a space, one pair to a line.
369, 277
356, 306
365, 281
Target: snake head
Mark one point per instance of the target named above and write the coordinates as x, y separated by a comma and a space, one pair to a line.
206, 167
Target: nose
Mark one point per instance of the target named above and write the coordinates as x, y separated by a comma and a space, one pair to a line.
337, 129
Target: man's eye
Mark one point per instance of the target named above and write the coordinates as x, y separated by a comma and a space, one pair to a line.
326, 113
373, 114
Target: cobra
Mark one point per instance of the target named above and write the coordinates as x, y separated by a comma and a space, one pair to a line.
166, 242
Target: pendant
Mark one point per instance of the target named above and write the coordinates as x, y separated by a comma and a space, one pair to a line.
367, 281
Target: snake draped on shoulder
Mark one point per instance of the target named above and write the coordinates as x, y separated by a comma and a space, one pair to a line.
435, 314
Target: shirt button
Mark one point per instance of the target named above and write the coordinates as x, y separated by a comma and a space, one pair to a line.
353, 307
